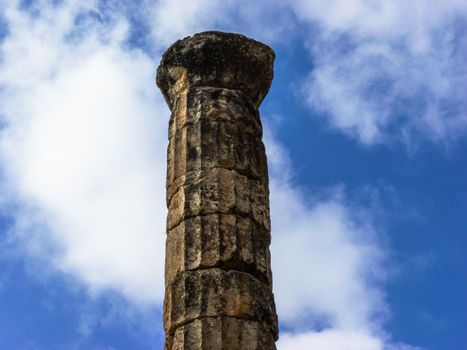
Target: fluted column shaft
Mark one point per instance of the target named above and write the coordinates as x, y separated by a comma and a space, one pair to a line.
218, 276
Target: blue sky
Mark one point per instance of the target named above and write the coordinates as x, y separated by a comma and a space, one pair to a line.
365, 129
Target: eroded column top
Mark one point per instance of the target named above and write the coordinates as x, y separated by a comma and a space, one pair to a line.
217, 59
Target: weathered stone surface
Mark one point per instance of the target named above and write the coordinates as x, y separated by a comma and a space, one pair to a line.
214, 333
221, 191
213, 140
215, 104
215, 292
229, 241
195, 150
218, 275
217, 59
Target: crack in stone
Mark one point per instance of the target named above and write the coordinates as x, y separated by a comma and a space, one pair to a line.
229, 212
247, 318
205, 173
237, 266
256, 133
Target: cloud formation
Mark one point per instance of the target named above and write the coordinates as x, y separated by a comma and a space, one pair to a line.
332, 280
83, 149
388, 70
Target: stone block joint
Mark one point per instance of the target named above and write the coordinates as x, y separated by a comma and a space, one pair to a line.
218, 278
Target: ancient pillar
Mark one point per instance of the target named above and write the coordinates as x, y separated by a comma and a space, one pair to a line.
218, 277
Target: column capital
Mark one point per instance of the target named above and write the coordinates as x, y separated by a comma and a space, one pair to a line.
218, 59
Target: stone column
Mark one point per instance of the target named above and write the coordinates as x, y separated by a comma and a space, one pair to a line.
217, 277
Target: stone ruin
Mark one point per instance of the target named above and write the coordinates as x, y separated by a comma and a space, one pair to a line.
218, 278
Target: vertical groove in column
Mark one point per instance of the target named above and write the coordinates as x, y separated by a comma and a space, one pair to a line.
218, 277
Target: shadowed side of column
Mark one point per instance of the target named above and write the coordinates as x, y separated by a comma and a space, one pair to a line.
218, 275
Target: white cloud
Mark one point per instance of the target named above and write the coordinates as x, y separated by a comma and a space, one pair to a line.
83, 147
267, 20
330, 340
388, 70
337, 339
327, 266
329, 274
173, 20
